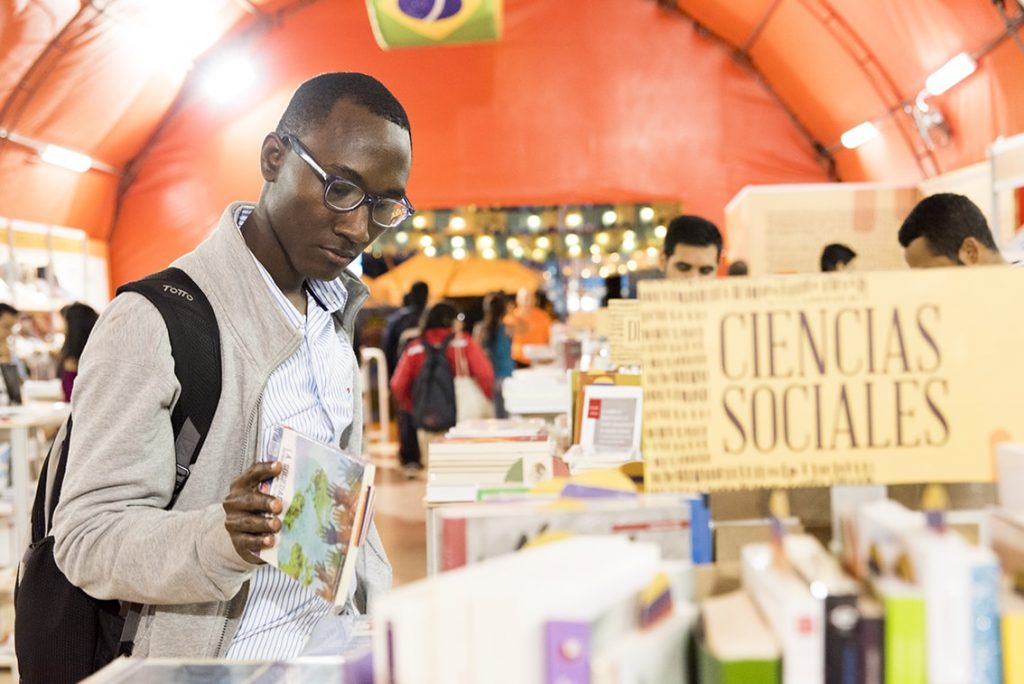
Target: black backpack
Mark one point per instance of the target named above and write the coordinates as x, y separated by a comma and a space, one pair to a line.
61, 634
433, 390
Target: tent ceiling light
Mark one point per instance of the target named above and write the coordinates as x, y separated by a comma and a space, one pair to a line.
646, 214
430, 250
485, 242
401, 237
572, 240
533, 221
458, 242
426, 241
575, 250
543, 242
489, 253
518, 252
574, 220
631, 265
858, 135
457, 223
950, 73
228, 78
609, 217
65, 158
602, 238
459, 253
419, 221
660, 232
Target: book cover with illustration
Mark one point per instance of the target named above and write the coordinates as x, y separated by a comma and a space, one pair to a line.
327, 506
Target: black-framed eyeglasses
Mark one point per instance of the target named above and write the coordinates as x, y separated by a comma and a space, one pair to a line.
343, 195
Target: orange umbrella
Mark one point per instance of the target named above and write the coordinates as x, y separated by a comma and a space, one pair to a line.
475, 277
447, 277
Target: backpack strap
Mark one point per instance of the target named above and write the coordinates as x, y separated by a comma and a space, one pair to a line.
195, 346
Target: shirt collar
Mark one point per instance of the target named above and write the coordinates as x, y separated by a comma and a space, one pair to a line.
330, 295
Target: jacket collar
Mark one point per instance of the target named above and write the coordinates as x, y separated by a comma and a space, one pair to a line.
229, 275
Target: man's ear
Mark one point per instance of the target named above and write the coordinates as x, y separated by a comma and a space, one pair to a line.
970, 251
271, 157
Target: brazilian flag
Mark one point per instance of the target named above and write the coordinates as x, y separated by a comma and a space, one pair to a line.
414, 23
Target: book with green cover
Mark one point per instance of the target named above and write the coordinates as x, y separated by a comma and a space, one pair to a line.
735, 645
327, 499
905, 637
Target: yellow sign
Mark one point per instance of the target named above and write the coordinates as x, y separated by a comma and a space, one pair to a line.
892, 377
624, 343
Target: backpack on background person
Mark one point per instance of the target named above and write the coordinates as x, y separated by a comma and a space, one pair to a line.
433, 389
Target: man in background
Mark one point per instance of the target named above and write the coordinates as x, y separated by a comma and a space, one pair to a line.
948, 230
837, 257
405, 319
692, 249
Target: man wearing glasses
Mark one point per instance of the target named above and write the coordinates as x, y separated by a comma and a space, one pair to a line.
335, 172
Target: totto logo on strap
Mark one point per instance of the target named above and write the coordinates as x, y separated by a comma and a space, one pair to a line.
178, 291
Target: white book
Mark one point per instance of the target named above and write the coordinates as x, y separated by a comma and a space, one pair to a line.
796, 617
656, 654
942, 571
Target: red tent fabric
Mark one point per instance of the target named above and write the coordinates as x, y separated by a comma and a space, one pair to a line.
602, 101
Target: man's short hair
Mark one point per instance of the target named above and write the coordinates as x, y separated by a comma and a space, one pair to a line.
693, 231
418, 294
739, 268
8, 310
314, 100
945, 221
835, 254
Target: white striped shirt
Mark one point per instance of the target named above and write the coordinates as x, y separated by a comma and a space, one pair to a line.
311, 392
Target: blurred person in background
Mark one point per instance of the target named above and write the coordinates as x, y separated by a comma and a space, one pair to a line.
528, 325
948, 230
8, 319
439, 325
738, 269
79, 320
492, 336
837, 257
398, 329
692, 249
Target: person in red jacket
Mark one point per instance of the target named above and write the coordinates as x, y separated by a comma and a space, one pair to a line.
439, 323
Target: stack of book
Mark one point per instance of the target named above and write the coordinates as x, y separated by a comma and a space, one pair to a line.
535, 391
587, 609
460, 466
471, 533
945, 608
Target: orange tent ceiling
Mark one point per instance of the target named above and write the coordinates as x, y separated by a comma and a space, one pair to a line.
595, 101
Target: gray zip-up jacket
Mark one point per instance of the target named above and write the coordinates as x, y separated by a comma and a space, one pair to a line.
112, 537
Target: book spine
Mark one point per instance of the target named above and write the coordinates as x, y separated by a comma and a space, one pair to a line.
986, 650
842, 646
905, 659
567, 652
871, 631
701, 542
453, 543
1013, 647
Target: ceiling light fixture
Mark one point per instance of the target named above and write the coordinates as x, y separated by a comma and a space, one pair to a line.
858, 135
950, 73
65, 158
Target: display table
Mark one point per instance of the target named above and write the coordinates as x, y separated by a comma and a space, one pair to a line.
16, 421
320, 670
